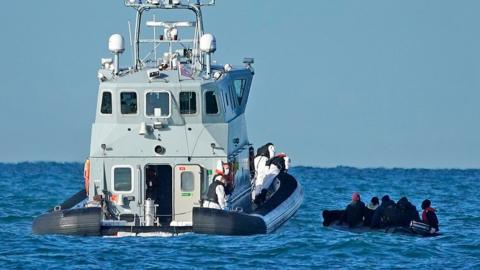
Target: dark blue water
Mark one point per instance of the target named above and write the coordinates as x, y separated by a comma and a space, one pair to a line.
28, 189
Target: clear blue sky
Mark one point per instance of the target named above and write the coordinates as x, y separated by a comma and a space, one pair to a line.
358, 83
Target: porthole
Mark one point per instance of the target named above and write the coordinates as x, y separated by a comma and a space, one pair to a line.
160, 150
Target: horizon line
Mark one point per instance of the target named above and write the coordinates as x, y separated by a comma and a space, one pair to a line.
296, 166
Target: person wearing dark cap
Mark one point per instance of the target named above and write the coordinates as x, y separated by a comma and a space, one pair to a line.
369, 210
353, 214
384, 215
429, 217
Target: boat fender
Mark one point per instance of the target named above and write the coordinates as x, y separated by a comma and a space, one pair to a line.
86, 175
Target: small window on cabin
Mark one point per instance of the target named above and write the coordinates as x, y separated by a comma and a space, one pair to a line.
128, 102
106, 107
211, 105
232, 96
122, 179
187, 183
188, 103
240, 88
157, 100
226, 98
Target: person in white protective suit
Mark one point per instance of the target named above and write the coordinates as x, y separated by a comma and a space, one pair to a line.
264, 153
216, 197
276, 165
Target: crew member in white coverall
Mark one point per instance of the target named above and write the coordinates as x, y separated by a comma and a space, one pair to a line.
277, 164
264, 153
216, 197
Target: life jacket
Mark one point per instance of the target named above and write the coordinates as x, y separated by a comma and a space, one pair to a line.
212, 190
278, 161
424, 214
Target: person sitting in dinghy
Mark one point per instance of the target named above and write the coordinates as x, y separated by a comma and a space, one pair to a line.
385, 215
369, 210
406, 212
264, 153
429, 217
216, 196
353, 214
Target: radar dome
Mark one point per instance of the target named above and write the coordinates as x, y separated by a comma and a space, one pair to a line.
116, 43
208, 43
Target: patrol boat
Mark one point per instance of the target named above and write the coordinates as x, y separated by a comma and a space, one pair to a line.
161, 126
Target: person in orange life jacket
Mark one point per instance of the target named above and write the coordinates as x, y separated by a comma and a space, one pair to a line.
216, 197
429, 217
353, 214
264, 153
276, 165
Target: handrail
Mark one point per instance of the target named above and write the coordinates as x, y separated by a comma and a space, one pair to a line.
194, 6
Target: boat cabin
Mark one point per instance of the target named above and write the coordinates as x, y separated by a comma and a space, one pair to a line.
162, 123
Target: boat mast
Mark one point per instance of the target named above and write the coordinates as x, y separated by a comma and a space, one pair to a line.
193, 5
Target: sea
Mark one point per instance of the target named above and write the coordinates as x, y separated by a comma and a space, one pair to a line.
29, 189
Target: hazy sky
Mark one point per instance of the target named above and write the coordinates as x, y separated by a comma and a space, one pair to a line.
358, 83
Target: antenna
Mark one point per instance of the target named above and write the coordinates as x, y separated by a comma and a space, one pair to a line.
131, 39
154, 38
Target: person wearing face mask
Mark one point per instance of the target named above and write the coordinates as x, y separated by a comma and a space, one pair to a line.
216, 197
264, 153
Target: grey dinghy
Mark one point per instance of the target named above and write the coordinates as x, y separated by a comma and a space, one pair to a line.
161, 126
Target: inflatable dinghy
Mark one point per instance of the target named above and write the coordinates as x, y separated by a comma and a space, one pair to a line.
331, 220
282, 205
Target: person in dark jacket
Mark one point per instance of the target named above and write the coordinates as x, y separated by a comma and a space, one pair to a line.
369, 210
429, 217
384, 215
353, 214
406, 213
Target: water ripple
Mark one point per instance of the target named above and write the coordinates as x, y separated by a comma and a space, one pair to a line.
28, 189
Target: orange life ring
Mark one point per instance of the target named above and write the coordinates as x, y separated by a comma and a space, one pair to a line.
86, 175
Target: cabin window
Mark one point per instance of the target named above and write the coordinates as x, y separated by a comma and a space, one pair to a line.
187, 183
232, 96
157, 100
226, 98
240, 88
211, 105
188, 103
128, 102
122, 179
106, 107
